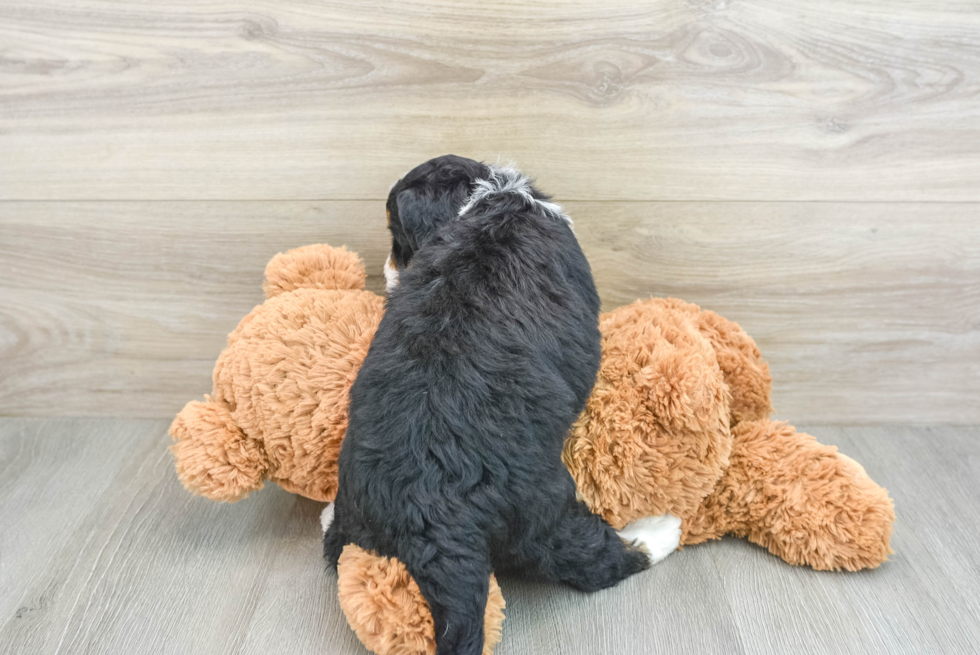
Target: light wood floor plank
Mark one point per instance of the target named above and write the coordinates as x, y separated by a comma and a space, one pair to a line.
867, 312
109, 554
642, 615
39, 479
137, 573
781, 609
298, 607
750, 100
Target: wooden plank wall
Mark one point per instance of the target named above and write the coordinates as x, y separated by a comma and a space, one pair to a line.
811, 170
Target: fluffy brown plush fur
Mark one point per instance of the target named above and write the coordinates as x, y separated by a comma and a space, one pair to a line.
678, 423
654, 437
800, 499
278, 409
387, 611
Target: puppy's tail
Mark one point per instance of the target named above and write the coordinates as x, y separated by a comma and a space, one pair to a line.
509, 180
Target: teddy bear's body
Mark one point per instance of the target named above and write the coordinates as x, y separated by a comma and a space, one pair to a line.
278, 409
678, 424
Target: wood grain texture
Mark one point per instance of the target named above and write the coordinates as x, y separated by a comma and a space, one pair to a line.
866, 312
131, 570
926, 471
619, 100
110, 555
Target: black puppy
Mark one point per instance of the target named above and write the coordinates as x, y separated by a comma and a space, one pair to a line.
486, 354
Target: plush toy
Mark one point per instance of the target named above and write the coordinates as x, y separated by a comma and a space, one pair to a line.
278, 409
677, 426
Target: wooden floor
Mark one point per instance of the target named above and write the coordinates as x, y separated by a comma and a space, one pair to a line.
102, 551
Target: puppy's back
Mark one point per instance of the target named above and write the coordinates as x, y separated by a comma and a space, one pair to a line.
496, 311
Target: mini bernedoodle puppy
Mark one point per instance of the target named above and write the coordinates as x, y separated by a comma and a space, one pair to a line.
486, 354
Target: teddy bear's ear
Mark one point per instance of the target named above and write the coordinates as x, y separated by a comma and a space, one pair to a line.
318, 266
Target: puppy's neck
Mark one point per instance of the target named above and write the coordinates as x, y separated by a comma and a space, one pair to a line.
509, 180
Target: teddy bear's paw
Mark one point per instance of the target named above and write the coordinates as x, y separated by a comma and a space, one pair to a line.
659, 535
326, 517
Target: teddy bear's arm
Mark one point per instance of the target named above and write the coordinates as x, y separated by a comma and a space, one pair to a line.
213, 456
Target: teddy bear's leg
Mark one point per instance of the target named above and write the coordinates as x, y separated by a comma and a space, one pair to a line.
387, 611
800, 499
213, 457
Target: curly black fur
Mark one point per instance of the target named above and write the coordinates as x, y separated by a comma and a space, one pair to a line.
429, 196
486, 354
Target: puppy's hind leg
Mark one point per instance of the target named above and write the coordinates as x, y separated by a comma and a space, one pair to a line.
586, 553
455, 583
334, 541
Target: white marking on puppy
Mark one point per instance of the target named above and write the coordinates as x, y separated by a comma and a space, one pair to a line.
660, 535
326, 517
391, 275
507, 179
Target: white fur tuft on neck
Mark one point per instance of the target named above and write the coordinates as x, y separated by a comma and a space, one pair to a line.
507, 179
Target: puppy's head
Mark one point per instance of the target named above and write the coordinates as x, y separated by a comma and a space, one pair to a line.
429, 196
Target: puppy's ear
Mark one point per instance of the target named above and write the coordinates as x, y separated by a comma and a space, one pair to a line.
421, 213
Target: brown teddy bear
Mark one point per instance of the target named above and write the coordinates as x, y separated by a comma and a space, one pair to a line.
677, 426
278, 409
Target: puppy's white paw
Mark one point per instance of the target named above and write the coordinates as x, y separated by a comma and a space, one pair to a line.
660, 535
326, 517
